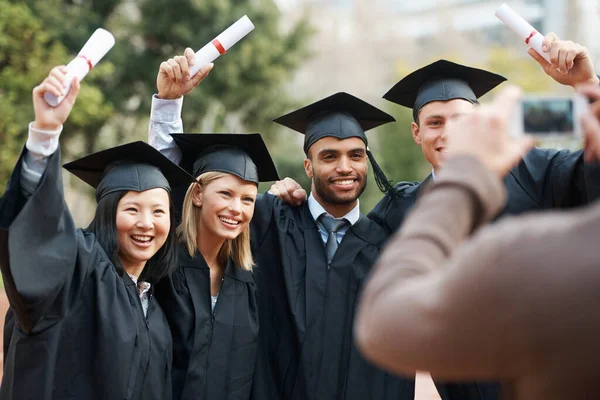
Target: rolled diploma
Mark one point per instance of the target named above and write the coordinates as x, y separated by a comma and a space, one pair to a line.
222, 43
522, 28
92, 52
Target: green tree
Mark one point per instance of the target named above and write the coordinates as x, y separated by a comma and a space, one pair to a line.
27, 52
243, 93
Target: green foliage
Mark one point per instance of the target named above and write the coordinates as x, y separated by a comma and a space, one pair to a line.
242, 94
25, 53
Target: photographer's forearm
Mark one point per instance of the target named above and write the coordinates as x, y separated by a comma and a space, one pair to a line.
402, 302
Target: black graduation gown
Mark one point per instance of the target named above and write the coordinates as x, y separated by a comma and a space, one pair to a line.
213, 354
307, 309
545, 179
78, 331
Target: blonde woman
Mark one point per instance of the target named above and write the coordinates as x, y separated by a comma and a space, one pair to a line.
210, 301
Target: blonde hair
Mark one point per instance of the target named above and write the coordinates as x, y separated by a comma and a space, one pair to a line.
187, 232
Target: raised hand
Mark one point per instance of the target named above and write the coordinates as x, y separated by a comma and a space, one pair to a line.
289, 191
484, 133
174, 80
570, 63
46, 116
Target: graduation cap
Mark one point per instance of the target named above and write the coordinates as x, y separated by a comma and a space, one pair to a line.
343, 116
442, 81
133, 166
243, 155
340, 115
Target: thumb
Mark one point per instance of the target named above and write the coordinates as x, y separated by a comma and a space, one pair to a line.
202, 74
540, 60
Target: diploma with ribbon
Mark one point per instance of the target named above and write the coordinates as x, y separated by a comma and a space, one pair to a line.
92, 52
222, 43
522, 28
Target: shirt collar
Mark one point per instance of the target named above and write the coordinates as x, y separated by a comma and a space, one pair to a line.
316, 210
433, 175
143, 287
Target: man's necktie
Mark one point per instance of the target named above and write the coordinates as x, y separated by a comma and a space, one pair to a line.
332, 226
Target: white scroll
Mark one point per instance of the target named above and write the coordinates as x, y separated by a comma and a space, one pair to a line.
522, 28
92, 52
222, 43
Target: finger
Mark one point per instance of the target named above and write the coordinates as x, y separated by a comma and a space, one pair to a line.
570, 58
60, 74
184, 67
540, 60
554, 50
291, 184
284, 192
504, 103
562, 60
203, 73
73, 92
300, 194
274, 191
190, 55
53, 83
176, 70
167, 69
47, 87
548, 40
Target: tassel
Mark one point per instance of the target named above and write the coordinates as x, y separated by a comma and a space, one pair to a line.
383, 183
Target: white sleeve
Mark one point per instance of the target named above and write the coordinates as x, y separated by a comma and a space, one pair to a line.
165, 118
40, 145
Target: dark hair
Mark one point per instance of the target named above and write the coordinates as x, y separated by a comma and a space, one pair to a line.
104, 226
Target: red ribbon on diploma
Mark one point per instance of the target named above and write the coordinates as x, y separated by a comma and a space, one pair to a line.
532, 34
218, 46
89, 62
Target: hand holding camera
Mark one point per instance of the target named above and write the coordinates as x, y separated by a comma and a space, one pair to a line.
485, 134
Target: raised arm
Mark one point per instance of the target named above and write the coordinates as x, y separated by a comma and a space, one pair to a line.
172, 82
38, 245
570, 63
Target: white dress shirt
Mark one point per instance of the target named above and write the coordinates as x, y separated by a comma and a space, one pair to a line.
316, 210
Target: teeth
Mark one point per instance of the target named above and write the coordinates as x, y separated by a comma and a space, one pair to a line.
142, 238
229, 221
345, 182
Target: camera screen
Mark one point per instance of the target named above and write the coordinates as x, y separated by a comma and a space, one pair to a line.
548, 116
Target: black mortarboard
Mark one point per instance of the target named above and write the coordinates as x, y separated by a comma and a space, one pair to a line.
340, 115
442, 81
243, 155
343, 116
134, 166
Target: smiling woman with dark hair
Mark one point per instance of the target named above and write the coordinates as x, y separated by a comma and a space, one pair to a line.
84, 323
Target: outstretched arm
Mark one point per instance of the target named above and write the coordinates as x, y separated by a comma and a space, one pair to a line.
172, 82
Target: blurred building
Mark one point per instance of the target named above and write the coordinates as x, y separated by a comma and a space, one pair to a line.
358, 42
